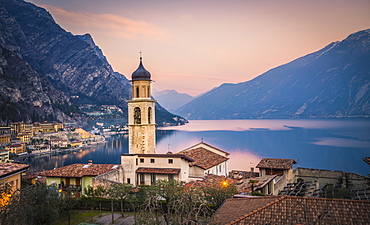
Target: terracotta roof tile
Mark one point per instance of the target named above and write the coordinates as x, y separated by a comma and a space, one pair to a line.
208, 146
204, 158
80, 170
235, 208
158, 170
293, 210
7, 169
284, 164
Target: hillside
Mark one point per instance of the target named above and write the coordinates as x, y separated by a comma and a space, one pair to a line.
332, 82
72, 64
171, 99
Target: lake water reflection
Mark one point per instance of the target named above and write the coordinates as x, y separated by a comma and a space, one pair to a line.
334, 144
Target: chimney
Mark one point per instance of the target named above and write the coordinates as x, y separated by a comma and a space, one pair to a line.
89, 162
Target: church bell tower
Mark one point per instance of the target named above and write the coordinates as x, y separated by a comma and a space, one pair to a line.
141, 113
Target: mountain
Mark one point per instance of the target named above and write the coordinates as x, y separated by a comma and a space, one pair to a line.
332, 82
171, 99
72, 64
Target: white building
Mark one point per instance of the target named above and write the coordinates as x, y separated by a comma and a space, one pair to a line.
142, 166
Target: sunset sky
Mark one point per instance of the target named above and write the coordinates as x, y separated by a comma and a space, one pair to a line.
192, 46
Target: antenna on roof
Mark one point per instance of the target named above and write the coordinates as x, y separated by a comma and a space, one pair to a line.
202, 140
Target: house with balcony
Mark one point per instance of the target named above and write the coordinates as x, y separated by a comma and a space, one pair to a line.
145, 169
190, 164
76, 177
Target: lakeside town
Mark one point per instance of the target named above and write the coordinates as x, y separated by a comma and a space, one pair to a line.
19, 139
192, 186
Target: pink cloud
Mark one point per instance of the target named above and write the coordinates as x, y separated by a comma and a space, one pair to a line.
109, 24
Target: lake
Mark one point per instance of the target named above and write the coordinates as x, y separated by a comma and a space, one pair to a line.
333, 144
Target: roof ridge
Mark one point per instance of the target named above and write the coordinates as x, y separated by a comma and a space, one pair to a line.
254, 197
329, 199
189, 148
259, 209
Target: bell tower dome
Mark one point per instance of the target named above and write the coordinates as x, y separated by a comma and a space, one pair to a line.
141, 117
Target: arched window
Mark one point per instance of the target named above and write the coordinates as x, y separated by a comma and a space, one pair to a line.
149, 115
137, 115
148, 91
137, 92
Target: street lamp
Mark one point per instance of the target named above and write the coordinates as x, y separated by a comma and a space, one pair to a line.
225, 183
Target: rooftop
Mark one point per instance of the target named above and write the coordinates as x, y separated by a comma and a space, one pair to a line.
284, 164
7, 169
80, 170
293, 210
204, 158
161, 156
158, 170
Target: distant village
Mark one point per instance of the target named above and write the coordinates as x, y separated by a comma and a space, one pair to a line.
21, 138
272, 192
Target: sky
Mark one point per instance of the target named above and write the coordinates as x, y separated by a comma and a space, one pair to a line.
192, 46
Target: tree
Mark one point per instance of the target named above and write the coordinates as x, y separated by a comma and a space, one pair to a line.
120, 191
216, 193
252, 182
171, 202
39, 204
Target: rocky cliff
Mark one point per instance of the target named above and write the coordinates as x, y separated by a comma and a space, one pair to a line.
332, 82
71, 63
25, 94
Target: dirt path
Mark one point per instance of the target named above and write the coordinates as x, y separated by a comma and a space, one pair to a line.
107, 219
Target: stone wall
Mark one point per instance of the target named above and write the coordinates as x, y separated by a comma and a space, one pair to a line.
330, 177
279, 183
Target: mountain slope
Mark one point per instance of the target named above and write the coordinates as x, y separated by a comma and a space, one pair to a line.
332, 82
171, 99
25, 94
72, 63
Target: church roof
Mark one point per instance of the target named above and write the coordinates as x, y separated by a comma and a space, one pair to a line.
204, 158
140, 73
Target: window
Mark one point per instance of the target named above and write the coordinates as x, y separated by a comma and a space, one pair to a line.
170, 161
152, 161
142, 178
128, 180
141, 160
136, 162
137, 92
137, 115
153, 178
149, 114
170, 177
